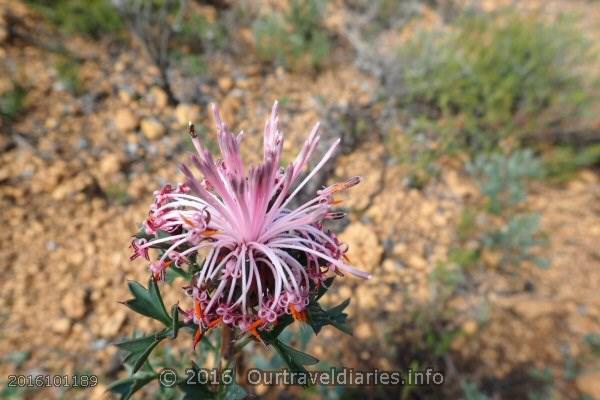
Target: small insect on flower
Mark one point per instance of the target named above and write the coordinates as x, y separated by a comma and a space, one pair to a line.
265, 258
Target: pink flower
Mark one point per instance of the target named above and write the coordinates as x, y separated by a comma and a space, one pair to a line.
264, 257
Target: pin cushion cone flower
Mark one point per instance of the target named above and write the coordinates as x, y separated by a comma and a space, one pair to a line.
264, 257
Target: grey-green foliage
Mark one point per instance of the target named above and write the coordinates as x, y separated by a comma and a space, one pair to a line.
193, 37
197, 32
296, 39
517, 240
502, 179
503, 182
93, 18
491, 77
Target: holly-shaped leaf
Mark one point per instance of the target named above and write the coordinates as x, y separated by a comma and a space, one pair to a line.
192, 389
282, 323
141, 234
148, 302
138, 349
126, 387
295, 359
318, 317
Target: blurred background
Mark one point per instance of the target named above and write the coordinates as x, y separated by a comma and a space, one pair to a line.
475, 125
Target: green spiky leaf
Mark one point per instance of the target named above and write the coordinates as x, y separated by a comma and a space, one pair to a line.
318, 317
148, 302
126, 387
194, 390
295, 359
138, 349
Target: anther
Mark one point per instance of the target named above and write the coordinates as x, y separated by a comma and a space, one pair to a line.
192, 130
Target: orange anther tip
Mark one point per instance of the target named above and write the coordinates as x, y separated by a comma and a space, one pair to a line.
187, 220
198, 310
215, 322
197, 338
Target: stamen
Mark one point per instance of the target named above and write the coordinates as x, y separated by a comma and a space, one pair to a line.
215, 322
192, 130
253, 328
298, 315
187, 220
197, 338
198, 310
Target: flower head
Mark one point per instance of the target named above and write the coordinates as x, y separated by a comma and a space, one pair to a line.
264, 258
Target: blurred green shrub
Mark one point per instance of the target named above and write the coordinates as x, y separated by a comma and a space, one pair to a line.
197, 31
295, 39
92, 18
517, 241
193, 37
68, 74
12, 102
502, 227
502, 179
491, 79
562, 162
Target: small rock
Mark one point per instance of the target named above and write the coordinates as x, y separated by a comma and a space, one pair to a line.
152, 128
390, 266
417, 262
229, 108
365, 249
225, 83
400, 249
126, 120
113, 324
73, 304
470, 327
366, 298
110, 164
3, 29
158, 97
364, 331
61, 325
185, 113
125, 96
51, 123
99, 392
589, 384
120, 66
345, 292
